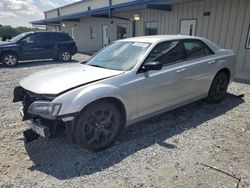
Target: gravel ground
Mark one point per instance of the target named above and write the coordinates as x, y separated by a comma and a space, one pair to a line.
166, 151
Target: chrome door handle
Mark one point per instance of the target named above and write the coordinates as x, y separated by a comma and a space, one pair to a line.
181, 70
211, 62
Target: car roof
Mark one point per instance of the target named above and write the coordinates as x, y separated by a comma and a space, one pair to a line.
59, 32
47, 32
158, 38
155, 39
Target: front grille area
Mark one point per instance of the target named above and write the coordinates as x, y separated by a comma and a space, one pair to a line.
55, 127
27, 98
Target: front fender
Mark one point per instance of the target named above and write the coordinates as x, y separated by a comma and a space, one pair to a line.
74, 101
14, 49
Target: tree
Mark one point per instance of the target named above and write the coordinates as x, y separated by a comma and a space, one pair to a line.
9, 32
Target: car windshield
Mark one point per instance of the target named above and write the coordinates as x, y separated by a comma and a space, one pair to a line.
18, 37
121, 56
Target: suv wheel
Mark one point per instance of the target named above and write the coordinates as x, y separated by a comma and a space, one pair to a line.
218, 89
9, 59
98, 126
65, 56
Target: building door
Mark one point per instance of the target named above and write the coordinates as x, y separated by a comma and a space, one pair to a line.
121, 31
72, 34
105, 35
188, 27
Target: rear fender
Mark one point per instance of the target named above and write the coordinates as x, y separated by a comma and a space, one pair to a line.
227, 60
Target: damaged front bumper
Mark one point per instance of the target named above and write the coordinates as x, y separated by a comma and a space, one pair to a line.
40, 126
48, 128
37, 126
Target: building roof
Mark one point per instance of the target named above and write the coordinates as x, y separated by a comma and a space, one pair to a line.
153, 4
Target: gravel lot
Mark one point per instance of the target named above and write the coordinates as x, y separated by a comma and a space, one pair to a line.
166, 151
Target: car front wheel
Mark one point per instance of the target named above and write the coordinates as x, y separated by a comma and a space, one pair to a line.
65, 56
10, 59
98, 126
218, 89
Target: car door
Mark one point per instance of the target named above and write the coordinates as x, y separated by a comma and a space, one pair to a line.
201, 61
157, 90
46, 44
28, 47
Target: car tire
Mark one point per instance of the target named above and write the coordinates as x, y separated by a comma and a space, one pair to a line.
64, 56
218, 89
9, 59
98, 126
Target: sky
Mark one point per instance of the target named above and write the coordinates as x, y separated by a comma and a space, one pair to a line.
21, 12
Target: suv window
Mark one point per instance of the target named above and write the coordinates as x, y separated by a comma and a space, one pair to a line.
29, 39
196, 49
41, 37
64, 37
53, 37
36, 37
166, 52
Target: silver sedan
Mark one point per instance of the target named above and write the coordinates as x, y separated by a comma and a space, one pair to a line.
126, 82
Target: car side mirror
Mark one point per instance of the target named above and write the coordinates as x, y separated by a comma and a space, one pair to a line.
152, 65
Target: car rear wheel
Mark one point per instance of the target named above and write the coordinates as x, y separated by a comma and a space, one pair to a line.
65, 56
98, 126
10, 59
218, 89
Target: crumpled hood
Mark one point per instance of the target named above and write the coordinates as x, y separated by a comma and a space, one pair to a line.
57, 80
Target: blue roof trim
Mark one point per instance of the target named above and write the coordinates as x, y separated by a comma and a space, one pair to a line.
99, 10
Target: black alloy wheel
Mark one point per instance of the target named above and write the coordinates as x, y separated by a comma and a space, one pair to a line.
98, 126
218, 89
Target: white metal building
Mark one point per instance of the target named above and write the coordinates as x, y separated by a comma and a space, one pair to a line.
95, 23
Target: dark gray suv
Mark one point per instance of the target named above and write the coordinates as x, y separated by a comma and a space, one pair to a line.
37, 45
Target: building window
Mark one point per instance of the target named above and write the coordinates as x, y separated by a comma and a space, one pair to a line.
248, 39
93, 32
121, 31
151, 28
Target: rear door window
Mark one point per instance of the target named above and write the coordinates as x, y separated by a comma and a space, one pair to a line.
53, 37
41, 37
196, 49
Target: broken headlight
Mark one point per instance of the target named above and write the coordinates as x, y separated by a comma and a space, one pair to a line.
44, 109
